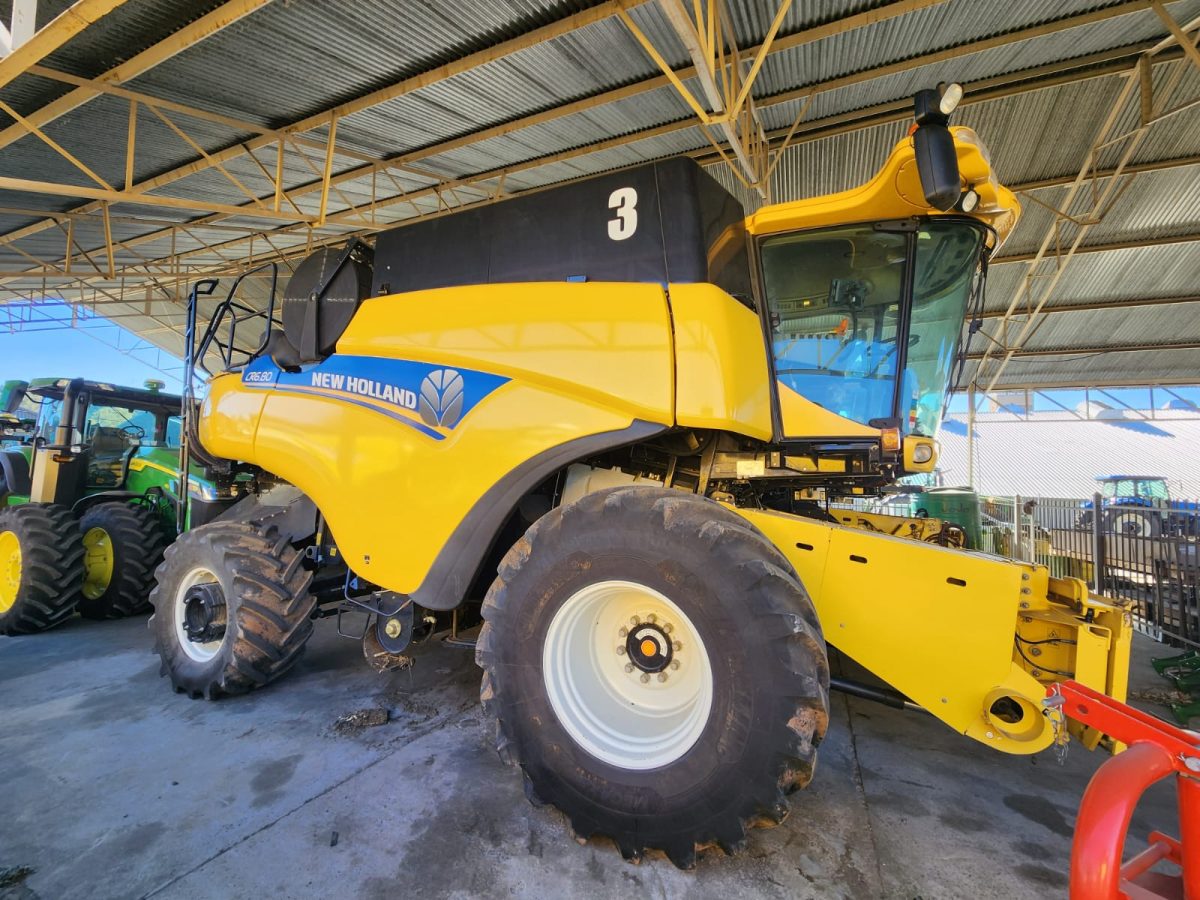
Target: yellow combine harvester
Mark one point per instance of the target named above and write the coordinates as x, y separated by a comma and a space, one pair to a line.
610, 406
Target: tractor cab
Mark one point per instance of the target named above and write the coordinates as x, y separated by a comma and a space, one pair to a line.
1134, 490
87, 437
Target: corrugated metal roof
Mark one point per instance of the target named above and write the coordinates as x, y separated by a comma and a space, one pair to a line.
1052, 456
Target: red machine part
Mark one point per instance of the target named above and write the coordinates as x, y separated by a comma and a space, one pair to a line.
1156, 749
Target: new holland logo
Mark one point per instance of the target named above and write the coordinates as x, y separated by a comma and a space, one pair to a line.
441, 400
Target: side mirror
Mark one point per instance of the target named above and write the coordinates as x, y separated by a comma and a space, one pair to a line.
937, 162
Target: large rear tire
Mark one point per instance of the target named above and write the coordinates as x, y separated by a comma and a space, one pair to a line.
122, 545
41, 567
592, 608
251, 608
1133, 522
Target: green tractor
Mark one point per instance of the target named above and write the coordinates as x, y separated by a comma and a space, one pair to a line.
88, 501
17, 417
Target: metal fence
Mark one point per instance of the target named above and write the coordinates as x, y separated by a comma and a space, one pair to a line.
1146, 556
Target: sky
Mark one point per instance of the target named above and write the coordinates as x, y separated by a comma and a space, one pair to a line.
62, 352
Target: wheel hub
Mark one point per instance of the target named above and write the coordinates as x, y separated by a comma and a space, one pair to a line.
649, 646
204, 614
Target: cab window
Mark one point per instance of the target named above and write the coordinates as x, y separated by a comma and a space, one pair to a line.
1153, 488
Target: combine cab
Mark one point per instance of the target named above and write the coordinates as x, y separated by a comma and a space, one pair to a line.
615, 412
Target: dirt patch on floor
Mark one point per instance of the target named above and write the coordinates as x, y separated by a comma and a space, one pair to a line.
361, 719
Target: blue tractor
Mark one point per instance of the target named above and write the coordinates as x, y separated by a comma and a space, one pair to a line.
1141, 505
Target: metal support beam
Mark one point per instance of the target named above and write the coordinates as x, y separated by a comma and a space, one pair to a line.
1029, 353
138, 199
1159, 165
1067, 232
24, 24
1108, 247
1100, 306
61, 29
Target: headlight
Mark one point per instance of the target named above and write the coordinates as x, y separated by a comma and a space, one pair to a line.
951, 96
922, 453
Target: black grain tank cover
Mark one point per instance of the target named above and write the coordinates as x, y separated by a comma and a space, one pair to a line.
320, 300
653, 223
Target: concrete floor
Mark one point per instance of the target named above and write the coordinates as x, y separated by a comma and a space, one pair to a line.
113, 786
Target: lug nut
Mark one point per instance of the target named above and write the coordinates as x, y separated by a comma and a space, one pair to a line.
678, 646
628, 668
622, 631
620, 650
645, 678
674, 664
634, 620
662, 676
668, 627
652, 618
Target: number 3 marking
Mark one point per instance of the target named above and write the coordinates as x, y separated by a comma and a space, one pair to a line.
624, 201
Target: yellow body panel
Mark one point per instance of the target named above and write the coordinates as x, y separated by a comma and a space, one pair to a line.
895, 193
391, 495
803, 418
917, 528
720, 363
597, 342
938, 625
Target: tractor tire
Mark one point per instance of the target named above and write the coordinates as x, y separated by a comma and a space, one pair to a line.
41, 567
122, 545
1134, 522
265, 618
691, 591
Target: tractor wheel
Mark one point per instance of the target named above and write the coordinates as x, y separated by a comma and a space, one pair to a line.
656, 670
1135, 522
41, 567
232, 609
122, 544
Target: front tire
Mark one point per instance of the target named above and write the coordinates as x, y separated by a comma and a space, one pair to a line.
591, 608
41, 567
122, 545
259, 615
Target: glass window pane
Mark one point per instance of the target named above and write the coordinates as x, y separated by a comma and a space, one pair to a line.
1155, 488
48, 419
947, 265
834, 298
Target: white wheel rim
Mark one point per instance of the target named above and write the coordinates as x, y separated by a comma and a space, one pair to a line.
623, 717
1135, 525
199, 652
